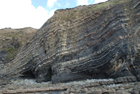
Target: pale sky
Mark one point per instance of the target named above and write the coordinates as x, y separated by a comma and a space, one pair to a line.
34, 13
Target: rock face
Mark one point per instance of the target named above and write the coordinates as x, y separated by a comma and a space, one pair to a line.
95, 41
12, 40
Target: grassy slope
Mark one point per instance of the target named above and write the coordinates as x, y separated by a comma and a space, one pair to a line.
12, 40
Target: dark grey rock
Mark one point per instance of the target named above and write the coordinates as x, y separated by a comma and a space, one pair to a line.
132, 79
138, 77
120, 80
106, 82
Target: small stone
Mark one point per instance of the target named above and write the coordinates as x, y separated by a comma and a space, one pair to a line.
78, 90
117, 88
121, 88
127, 87
134, 92
138, 86
86, 89
131, 79
122, 92
135, 87
130, 89
95, 84
96, 92
62, 93
72, 90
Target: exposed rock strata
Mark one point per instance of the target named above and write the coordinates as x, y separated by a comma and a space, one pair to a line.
96, 41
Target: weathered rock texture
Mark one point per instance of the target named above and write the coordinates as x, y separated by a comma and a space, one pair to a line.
12, 40
95, 41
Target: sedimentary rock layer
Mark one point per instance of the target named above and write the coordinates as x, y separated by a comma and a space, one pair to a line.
95, 41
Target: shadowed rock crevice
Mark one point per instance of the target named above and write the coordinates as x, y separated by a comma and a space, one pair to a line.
28, 75
44, 74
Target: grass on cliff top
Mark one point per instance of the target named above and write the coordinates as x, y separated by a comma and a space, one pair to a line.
13, 34
76, 13
110, 3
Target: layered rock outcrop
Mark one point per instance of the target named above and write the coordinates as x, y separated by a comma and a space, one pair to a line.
95, 41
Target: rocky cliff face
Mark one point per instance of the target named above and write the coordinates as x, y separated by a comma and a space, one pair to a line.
95, 41
12, 40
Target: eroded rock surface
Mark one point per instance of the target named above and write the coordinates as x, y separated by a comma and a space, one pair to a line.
95, 41
12, 40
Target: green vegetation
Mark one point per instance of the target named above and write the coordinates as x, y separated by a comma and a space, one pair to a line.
14, 34
75, 11
85, 10
110, 3
13, 49
10, 52
12, 40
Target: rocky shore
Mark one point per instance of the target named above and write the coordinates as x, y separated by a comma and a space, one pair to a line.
123, 85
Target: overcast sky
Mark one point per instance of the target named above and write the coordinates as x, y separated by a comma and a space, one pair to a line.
33, 13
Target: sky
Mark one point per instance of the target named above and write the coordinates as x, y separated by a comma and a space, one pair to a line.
34, 13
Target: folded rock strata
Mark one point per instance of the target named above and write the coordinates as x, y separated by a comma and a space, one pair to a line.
95, 41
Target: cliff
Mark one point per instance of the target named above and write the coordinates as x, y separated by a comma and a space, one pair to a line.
12, 40
95, 41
